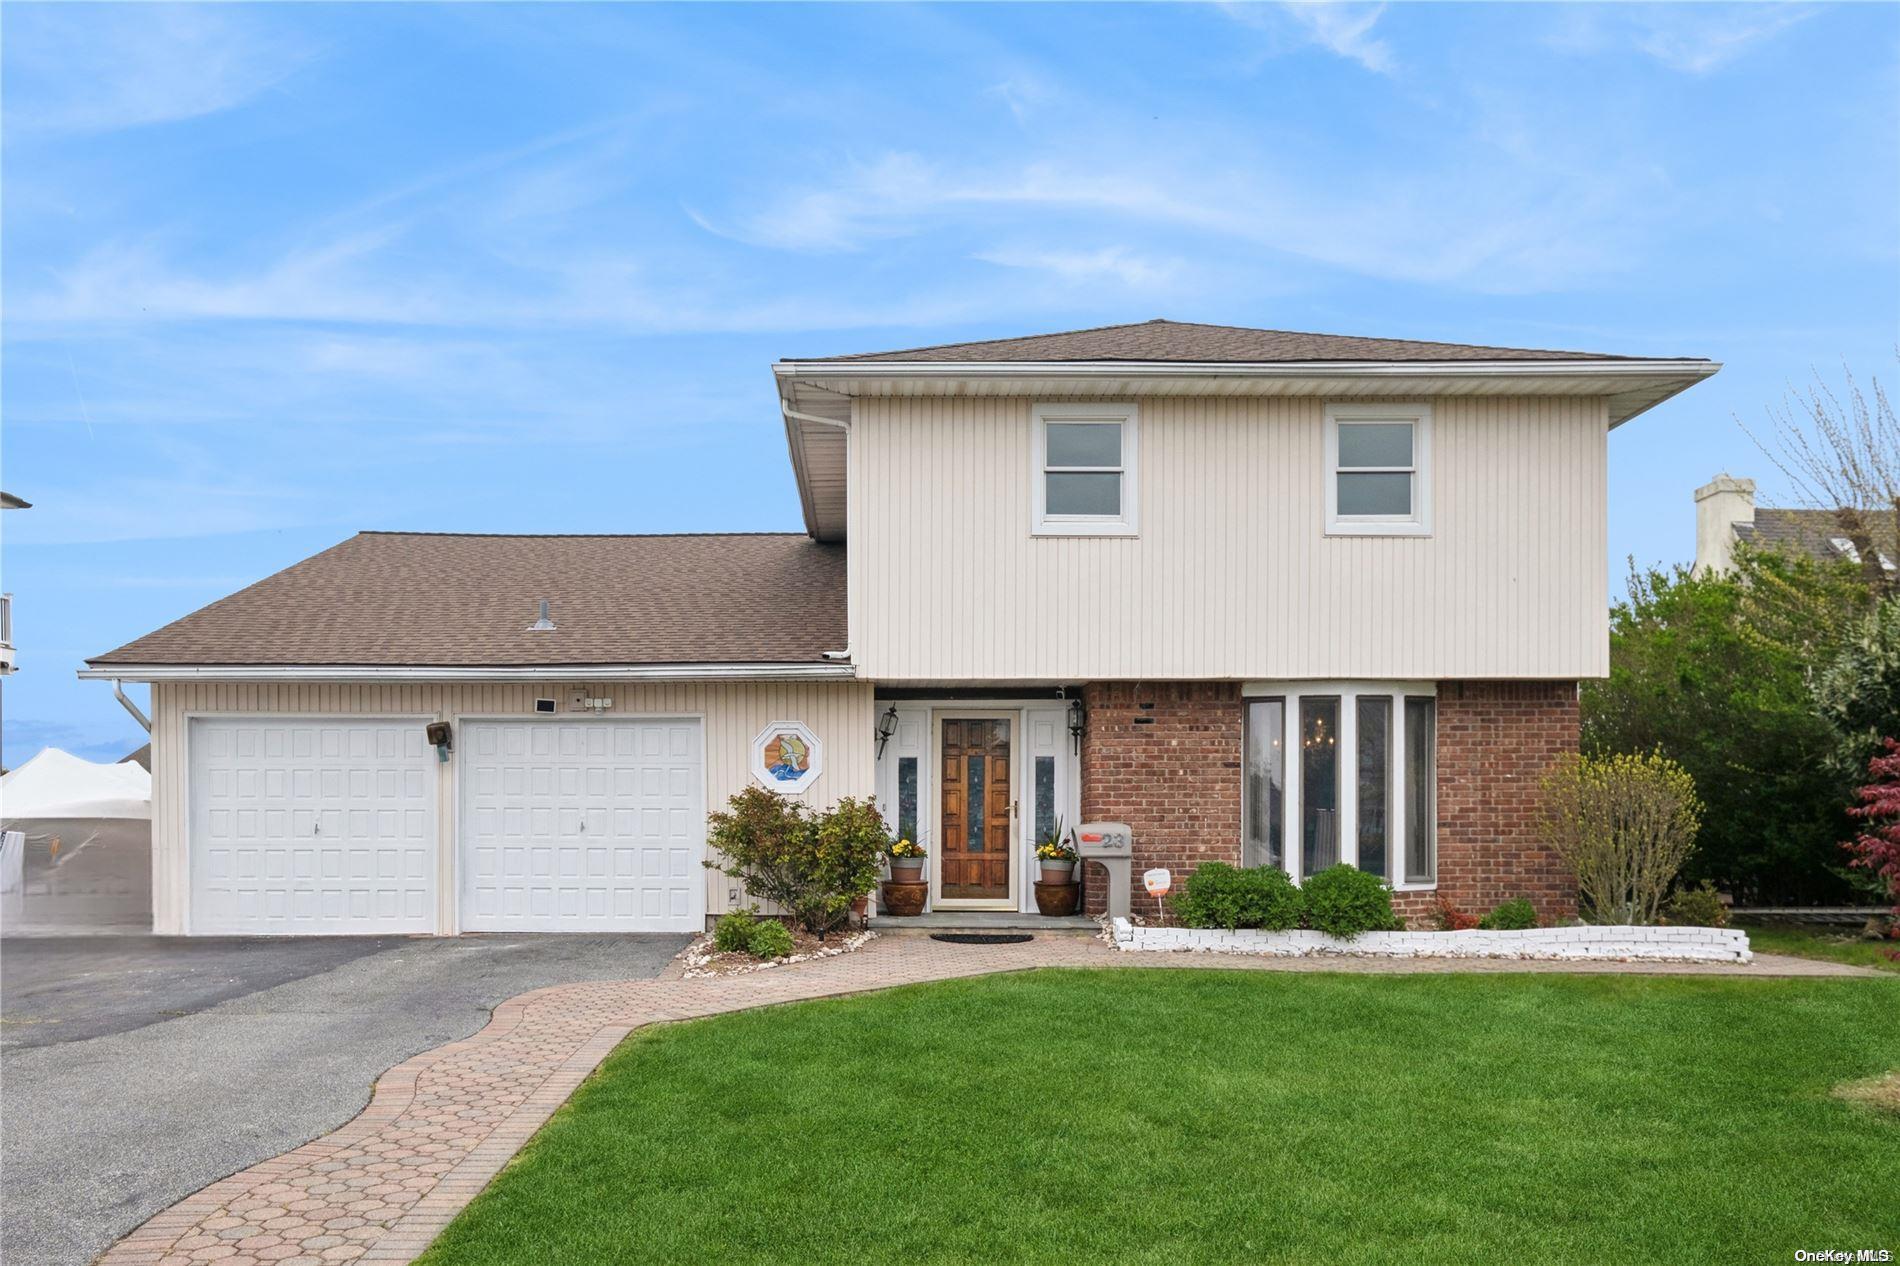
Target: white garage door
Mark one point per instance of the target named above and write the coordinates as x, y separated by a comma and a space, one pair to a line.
583, 826
315, 826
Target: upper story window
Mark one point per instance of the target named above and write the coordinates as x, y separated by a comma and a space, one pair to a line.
1378, 469
1082, 475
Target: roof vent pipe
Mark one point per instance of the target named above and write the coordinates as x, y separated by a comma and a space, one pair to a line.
543, 624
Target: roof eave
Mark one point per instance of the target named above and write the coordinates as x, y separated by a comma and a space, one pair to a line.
98, 671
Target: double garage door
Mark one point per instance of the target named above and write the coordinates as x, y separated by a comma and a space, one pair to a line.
329, 826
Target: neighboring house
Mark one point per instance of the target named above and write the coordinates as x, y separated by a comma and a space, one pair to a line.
1726, 515
1268, 597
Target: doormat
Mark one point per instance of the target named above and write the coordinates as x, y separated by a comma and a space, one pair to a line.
982, 938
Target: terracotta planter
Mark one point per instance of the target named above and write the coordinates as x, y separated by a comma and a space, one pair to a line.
904, 900
1057, 872
861, 909
908, 870
1056, 900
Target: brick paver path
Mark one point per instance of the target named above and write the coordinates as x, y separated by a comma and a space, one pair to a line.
441, 1125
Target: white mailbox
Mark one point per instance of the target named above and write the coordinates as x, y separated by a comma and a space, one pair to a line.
1111, 844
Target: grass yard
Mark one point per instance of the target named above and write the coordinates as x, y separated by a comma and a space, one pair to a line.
1843, 945
1226, 1116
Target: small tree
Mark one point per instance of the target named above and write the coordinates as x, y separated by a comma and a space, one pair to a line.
1859, 690
1624, 824
1877, 848
1844, 456
812, 865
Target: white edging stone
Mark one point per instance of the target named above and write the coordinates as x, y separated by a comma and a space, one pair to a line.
1701, 945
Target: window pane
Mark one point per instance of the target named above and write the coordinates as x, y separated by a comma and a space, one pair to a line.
1084, 444
1263, 841
1375, 780
973, 793
1375, 444
1084, 494
907, 797
1319, 784
1373, 494
1045, 797
1421, 809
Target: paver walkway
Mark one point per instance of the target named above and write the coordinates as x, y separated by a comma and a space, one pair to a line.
441, 1125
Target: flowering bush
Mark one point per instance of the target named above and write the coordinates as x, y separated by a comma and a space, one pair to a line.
1624, 824
1055, 846
1877, 848
812, 865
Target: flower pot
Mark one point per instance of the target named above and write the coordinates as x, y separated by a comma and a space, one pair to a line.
1057, 872
861, 909
907, 870
1056, 900
903, 900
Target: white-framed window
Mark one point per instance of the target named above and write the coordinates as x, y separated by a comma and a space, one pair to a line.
1378, 469
1082, 469
1342, 772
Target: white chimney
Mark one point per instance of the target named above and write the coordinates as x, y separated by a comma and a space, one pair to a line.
1719, 505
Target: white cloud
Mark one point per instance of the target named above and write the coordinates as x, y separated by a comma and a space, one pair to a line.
94, 68
1696, 39
1110, 263
1344, 29
1698, 43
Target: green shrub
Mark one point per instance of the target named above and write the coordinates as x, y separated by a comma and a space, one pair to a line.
733, 933
1698, 907
770, 939
1512, 916
811, 864
1217, 895
1345, 901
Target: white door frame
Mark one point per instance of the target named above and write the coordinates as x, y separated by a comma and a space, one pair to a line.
454, 866
1014, 716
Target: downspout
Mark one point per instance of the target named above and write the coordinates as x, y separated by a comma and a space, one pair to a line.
813, 418
118, 692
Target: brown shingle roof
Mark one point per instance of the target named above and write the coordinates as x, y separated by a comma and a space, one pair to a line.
1811, 532
423, 599
1160, 340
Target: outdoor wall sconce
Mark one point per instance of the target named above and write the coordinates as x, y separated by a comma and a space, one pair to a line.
886, 726
1078, 723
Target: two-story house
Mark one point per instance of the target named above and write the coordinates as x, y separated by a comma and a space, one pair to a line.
1270, 598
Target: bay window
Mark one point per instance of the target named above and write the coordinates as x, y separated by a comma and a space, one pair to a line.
1349, 770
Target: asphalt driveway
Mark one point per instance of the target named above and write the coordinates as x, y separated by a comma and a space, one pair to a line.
134, 1070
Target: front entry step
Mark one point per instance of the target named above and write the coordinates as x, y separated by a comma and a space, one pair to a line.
982, 921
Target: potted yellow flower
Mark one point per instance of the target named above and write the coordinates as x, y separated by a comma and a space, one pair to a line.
1056, 856
907, 862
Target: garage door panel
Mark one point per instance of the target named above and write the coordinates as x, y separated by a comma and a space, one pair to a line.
311, 827
582, 826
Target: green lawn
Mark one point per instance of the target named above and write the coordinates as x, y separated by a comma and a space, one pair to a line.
1226, 1116
1843, 945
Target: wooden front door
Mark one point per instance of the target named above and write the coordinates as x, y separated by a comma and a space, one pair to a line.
978, 810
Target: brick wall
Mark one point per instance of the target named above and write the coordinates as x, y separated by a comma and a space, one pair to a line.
1495, 739
1165, 758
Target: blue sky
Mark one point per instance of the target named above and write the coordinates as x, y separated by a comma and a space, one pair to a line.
273, 274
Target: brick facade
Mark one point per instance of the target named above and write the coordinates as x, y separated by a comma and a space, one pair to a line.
1165, 757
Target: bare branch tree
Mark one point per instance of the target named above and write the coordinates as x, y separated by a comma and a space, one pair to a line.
1845, 458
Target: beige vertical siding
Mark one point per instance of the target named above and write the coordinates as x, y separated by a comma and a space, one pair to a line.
1232, 576
841, 714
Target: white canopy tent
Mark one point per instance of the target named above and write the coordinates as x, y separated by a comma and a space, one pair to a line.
57, 784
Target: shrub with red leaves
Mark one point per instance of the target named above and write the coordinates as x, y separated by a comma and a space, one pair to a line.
1450, 918
1877, 847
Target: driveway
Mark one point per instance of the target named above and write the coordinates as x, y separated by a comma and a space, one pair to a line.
134, 1070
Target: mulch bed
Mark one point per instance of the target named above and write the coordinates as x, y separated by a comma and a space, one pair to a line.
701, 960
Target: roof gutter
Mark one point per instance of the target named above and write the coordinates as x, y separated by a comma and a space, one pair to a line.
547, 672
1247, 369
